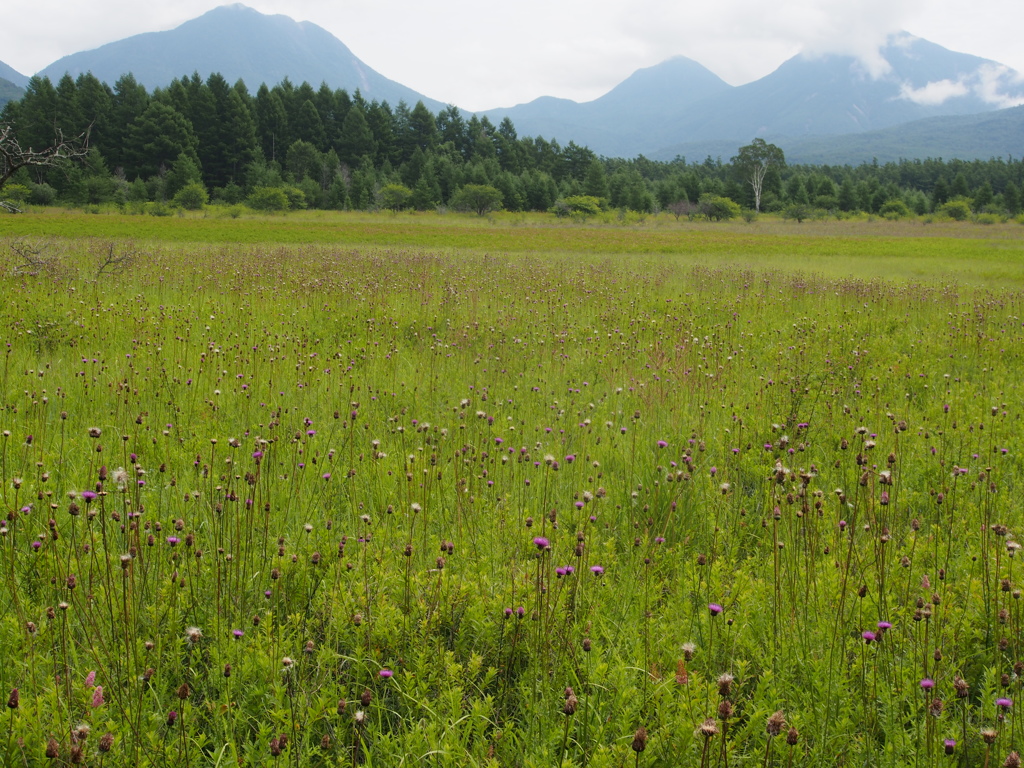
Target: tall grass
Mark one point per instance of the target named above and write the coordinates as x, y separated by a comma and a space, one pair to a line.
313, 505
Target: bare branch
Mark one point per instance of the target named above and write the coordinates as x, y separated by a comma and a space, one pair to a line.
116, 264
14, 157
36, 260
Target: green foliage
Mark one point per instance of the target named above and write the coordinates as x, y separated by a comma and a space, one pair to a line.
478, 198
268, 199
16, 193
958, 209
394, 197
715, 208
577, 207
349, 147
894, 209
296, 197
192, 197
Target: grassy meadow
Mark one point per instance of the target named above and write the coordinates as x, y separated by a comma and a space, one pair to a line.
337, 490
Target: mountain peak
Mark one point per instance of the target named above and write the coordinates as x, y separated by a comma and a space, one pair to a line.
238, 42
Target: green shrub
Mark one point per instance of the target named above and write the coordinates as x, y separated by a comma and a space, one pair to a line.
192, 197
15, 193
42, 194
958, 209
479, 198
296, 198
394, 197
268, 199
894, 209
715, 208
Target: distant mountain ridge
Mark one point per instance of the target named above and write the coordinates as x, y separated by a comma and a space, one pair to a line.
12, 75
238, 42
829, 95
12, 84
677, 107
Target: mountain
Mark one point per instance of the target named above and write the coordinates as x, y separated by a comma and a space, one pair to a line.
9, 92
967, 137
678, 106
238, 42
12, 84
13, 76
616, 123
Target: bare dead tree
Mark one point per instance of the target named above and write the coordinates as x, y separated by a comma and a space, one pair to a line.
14, 157
114, 263
37, 259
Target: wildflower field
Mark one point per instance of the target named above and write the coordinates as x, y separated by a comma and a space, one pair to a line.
326, 500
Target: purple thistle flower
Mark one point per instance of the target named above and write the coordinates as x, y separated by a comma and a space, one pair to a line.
88, 496
927, 684
715, 609
560, 572
948, 746
508, 612
237, 634
1004, 704
386, 673
173, 540
869, 637
884, 625
541, 543
662, 444
597, 570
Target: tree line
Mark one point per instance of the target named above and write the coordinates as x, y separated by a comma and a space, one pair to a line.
295, 146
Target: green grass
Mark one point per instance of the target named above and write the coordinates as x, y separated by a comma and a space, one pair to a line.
907, 250
346, 449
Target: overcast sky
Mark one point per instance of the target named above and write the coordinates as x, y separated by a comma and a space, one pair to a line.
480, 54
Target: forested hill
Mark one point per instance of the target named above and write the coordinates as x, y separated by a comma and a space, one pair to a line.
331, 149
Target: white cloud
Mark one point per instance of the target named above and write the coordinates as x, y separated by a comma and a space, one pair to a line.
993, 79
935, 93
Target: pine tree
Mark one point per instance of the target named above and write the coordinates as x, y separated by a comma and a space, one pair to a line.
356, 141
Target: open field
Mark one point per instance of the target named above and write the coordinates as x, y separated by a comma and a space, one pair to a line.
355, 490
903, 250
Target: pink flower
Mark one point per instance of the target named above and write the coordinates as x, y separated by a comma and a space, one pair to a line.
90, 679
97, 697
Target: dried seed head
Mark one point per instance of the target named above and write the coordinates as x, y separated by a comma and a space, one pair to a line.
366, 697
52, 748
709, 728
640, 741
724, 709
725, 681
106, 742
989, 735
775, 724
571, 703
792, 736
1012, 760
14, 699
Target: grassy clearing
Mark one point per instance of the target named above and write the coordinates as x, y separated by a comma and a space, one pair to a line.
902, 251
335, 504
